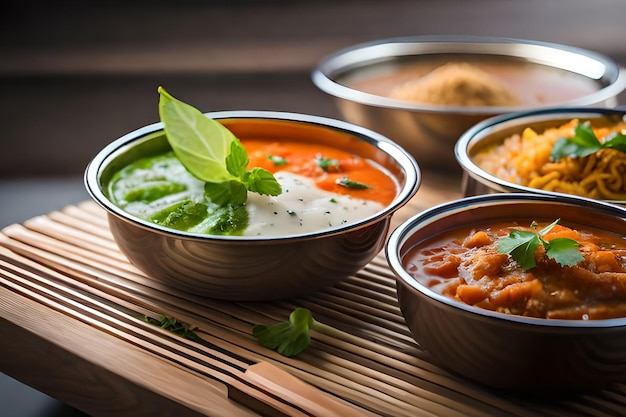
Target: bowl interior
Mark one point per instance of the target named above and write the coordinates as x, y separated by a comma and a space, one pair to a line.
152, 141
523, 208
542, 74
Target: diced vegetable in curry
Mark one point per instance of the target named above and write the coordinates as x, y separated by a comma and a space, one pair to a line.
466, 265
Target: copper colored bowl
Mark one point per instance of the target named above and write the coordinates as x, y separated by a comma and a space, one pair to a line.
252, 267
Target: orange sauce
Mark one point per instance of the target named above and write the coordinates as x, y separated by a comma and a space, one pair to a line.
303, 159
465, 265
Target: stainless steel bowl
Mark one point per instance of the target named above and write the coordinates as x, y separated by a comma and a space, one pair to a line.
429, 132
504, 351
494, 131
253, 268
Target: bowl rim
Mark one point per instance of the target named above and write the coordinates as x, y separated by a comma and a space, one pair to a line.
485, 127
323, 73
408, 164
402, 233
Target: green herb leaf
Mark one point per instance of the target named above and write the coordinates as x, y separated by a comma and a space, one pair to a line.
261, 181
290, 337
277, 160
228, 192
237, 160
210, 152
327, 164
174, 326
354, 185
564, 251
584, 143
522, 245
200, 143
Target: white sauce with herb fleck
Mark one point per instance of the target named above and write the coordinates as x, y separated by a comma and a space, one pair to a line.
159, 184
303, 208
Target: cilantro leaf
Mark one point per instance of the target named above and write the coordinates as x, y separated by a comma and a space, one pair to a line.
173, 325
327, 164
584, 143
290, 337
277, 160
522, 245
564, 251
355, 185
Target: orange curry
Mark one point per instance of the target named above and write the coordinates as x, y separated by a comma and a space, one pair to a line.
326, 165
465, 264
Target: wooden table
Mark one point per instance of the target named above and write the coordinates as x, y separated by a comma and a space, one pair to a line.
71, 311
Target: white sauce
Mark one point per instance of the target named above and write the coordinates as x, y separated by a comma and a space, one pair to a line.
303, 208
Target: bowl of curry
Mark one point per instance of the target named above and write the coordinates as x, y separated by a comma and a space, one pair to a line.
520, 292
557, 151
273, 205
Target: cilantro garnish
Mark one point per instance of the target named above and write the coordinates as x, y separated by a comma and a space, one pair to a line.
291, 337
584, 143
355, 185
174, 326
212, 153
277, 160
521, 245
327, 164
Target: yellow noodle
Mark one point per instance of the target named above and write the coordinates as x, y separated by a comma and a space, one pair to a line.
608, 194
594, 178
543, 181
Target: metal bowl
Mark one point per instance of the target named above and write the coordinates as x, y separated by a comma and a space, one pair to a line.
429, 132
253, 268
505, 351
494, 131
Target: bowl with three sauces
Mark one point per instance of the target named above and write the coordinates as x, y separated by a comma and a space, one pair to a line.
250, 205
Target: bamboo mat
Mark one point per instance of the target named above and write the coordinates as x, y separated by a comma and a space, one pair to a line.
68, 261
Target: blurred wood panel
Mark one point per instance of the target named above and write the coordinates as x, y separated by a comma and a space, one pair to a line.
76, 75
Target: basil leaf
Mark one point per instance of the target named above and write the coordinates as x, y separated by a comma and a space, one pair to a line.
212, 153
262, 181
237, 160
200, 143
